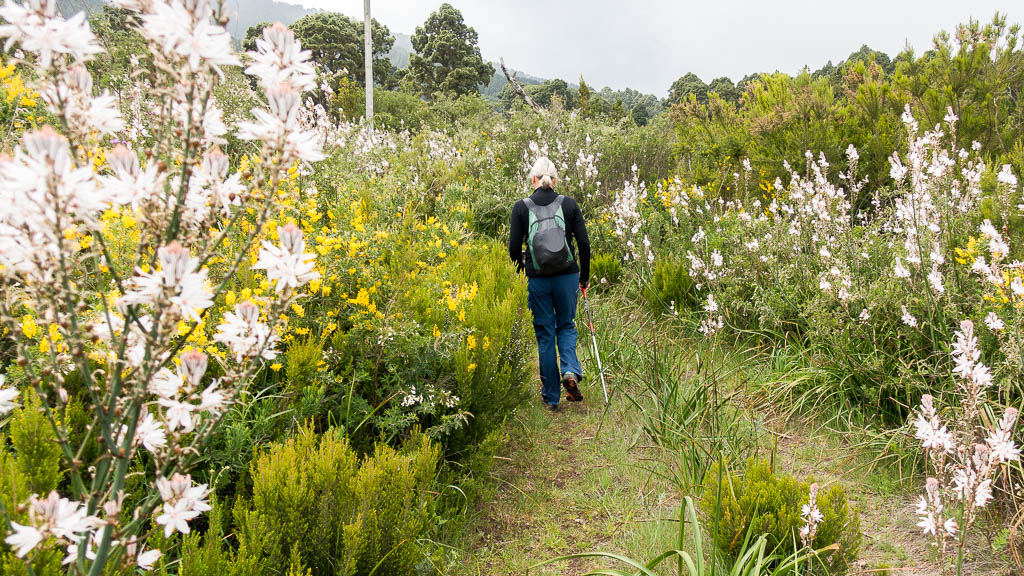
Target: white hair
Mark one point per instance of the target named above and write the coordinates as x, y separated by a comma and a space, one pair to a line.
544, 170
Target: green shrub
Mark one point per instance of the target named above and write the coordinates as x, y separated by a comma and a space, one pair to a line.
390, 492
304, 358
456, 335
605, 270
500, 382
13, 484
761, 503
33, 468
671, 285
397, 110
43, 563
316, 506
38, 455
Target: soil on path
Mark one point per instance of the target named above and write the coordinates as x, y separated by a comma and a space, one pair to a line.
584, 480
568, 483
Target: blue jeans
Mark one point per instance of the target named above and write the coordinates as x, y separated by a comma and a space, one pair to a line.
552, 300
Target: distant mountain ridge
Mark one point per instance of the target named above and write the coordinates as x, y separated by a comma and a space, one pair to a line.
242, 13
246, 13
400, 50
257, 11
71, 7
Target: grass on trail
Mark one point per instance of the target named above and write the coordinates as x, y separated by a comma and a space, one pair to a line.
564, 488
587, 479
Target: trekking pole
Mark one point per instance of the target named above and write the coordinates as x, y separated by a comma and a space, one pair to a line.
593, 336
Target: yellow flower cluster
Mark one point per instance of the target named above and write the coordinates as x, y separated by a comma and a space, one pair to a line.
456, 297
1002, 292
13, 88
49, 339
363, 300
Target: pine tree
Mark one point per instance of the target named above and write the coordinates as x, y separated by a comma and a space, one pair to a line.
447, 57
252, 33
336, 42
583, 98
689, 85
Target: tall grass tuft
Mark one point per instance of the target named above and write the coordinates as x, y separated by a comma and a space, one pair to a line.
754, 559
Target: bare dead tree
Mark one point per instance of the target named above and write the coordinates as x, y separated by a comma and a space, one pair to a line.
519, 89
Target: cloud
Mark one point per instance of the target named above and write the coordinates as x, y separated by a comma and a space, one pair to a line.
647, 44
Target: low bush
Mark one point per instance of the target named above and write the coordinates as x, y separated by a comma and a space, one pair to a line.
671, 287
38, 455
32, 468
605, 270
397, 110
317, 507
759, 502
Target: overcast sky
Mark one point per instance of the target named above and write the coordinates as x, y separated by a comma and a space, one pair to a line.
647, 44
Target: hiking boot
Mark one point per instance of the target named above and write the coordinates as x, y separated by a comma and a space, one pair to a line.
571, 383
553, 407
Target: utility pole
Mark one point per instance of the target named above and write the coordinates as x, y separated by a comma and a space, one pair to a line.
368, 49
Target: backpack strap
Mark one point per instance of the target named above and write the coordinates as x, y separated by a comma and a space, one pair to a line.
532, 206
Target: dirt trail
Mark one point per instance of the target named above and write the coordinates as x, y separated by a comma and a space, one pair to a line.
581, 480
564, 488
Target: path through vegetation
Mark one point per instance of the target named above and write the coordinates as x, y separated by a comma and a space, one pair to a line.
587, 479
568, 484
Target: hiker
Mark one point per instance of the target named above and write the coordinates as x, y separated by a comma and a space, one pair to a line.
552, 227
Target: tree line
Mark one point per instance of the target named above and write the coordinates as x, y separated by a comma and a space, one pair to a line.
977, 71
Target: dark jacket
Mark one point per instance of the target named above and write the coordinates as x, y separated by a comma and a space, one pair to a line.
575, 231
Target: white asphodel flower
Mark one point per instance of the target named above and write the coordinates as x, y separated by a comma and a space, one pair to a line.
245, 335
150, 434
212, 400
178, 415
935, 280
213, 181
1007, 177
182, 502
901, 270
932, 434
186, 32
1017, 286
147, 559
7, 396
280, 126
908, 318
926, 518
130, 184
24, 539
175, 517
289, 266
279, 59
1002, 448
84, 112
177, 275
994, 322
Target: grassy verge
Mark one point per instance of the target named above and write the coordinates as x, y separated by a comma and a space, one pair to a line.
586, 479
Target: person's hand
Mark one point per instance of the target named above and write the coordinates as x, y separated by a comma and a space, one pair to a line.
584, 286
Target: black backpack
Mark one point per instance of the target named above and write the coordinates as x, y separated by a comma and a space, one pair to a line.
546, 241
